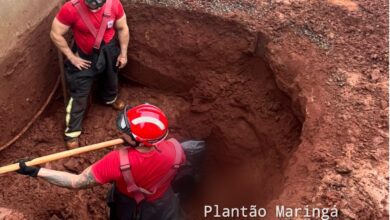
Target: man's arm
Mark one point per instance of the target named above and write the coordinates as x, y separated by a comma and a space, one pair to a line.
124, 36
84, 180
58, 30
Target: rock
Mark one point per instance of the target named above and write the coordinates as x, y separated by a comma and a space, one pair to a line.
375, 74
343, 168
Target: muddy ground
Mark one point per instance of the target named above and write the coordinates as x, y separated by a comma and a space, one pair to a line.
290, 96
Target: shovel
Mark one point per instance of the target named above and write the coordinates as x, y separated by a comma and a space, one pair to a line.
61, 155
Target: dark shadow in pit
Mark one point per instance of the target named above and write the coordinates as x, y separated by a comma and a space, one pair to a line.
252, 134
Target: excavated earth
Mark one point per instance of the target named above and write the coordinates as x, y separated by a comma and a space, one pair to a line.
291, 98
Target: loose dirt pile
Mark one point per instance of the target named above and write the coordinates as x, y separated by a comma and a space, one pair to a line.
291, 98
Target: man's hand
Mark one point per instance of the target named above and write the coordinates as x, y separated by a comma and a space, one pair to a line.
121, 61
27, 170
79, 62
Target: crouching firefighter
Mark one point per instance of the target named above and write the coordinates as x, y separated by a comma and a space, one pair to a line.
95, 56
141, 172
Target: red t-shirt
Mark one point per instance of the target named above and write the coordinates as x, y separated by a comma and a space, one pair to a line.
68, 15
147, 169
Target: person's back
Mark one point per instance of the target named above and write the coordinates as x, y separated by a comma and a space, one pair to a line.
142, 170
147, 168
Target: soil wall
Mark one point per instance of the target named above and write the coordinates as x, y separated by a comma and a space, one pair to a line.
29, 69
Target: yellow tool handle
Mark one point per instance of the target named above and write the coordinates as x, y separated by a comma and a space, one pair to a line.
61, 155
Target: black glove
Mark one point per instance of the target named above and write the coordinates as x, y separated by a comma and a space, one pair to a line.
27, 170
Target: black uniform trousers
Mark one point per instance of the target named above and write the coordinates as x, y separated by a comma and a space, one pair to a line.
103, 70
124, 208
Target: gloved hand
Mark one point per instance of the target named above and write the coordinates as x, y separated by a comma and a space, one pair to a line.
27, 170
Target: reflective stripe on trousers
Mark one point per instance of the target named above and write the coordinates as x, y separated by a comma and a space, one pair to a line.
104, 71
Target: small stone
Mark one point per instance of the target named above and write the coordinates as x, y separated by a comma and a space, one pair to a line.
375, 74
343, 168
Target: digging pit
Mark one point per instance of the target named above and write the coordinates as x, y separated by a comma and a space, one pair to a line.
231, 98
212, 77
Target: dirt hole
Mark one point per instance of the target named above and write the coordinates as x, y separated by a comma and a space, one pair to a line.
211, 77
229, 98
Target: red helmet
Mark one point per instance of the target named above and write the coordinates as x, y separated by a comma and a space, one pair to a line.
145, 124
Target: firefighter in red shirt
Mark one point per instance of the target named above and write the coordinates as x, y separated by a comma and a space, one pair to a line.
95, 55
142, 172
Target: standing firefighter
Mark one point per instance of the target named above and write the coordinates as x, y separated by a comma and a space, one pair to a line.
94, 56
142, 172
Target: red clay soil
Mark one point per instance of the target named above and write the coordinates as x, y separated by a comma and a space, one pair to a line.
291, 98
29, 72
